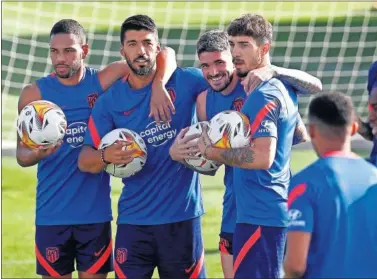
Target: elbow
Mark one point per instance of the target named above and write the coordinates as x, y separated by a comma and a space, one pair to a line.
318, 84
266, 164
294, 270
21, 162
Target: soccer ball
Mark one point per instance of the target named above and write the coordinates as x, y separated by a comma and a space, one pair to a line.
139, 157
201, 163
40, 124
229, 129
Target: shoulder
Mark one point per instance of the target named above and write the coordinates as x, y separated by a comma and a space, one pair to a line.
29, 94
308, 175
191, 72
274, 87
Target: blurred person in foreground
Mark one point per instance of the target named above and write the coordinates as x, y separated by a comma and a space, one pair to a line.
332, 231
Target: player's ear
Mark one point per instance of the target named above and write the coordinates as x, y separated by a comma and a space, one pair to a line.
85, 50
355, 128
158, 47
312, 131
265, 49
121, 51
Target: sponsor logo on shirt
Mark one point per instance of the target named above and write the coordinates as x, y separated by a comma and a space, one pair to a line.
157, 135
75, 133
267, 126
294, 216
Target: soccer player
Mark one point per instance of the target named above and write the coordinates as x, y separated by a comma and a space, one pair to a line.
160, 208
332, 231
226, 92
73, 209
369, 129
261, 174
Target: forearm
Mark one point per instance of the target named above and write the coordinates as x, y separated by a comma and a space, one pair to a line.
246, 157
166, 65
90, 160
301, 81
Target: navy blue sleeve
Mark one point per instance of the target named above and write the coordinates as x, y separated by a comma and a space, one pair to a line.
195, 81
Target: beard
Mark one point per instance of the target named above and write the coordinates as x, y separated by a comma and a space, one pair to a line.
226, 84
72, 70
142, 71
241, 74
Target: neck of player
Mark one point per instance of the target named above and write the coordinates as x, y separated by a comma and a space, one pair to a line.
137, 81
75, 79
231, 85
335, 146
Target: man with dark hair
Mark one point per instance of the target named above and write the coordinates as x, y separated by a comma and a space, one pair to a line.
262, 172
332, 203
369, 129
225, 93
160, 208
73, 209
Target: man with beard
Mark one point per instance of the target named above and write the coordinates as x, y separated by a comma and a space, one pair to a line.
261, 171
332, 203
160, 208
369, 129
225, 93
73, 209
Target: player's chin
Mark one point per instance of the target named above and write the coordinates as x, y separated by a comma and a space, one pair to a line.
64, 75
241, 73
218, 86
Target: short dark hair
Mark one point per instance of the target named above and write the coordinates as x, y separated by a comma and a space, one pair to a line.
252, 25
213, 40
334, 109
138, 22
69, 26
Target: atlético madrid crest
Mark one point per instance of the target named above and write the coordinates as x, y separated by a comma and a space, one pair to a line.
237, 104
121, 255
92, 98
172, 94
52, 254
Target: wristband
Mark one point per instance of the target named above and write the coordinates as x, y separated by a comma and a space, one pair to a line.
103, 157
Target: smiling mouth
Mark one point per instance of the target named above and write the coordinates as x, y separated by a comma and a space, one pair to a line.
217, 78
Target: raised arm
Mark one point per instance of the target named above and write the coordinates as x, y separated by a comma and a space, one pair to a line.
303, 82
26, 156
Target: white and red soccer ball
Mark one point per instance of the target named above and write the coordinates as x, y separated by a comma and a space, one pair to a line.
41, 124
139, 156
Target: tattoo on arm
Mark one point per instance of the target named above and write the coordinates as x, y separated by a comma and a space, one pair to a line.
304, 86
238, 156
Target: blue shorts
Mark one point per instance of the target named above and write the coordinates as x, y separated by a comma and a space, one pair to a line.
176, 250
226, 243
258, 251
57, 248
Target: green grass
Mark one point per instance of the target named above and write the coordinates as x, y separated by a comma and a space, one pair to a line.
18, 199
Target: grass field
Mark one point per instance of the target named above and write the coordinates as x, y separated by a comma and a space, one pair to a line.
18, 206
